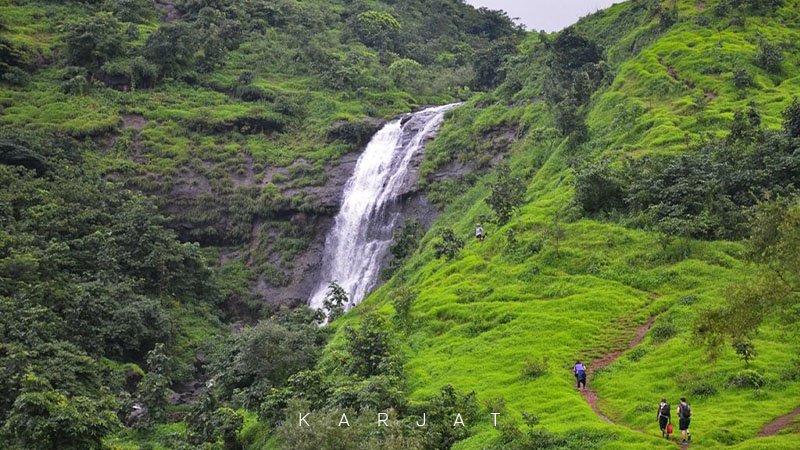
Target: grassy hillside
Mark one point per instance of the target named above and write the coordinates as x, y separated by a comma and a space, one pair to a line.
555, 285
646, 158
163, 167
231, 113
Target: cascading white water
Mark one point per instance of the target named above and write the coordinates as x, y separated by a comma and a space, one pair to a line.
362, 231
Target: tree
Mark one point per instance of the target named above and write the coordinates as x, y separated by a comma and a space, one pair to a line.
263, 357
208, 422
557, 232
746, 350
153, 390
404, 71
402, 300
774, 246
406, 239
489, 63
172, 48
791, 119
449, 245
43, 419
507, 194
769, 56
335, 300
598, 188
377, 29
93, 41
368, 346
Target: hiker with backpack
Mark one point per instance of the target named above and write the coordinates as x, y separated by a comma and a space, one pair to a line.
684, 419
580, 375
664, 418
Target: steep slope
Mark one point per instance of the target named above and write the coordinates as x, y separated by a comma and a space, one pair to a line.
242, 118
554, 284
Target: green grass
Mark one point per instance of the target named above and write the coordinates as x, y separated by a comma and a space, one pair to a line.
479, 317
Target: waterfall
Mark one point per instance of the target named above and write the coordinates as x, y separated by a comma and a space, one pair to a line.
362, 231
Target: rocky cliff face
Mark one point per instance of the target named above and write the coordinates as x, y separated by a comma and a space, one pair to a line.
413, 204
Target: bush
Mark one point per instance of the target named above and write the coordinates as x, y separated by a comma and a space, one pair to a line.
742, 79
368, 346
143, 73
377, 29
507, 194
598, 188
16, 76
747, 379
663, 331
336, 299
172, 48
93, 41
138, 11
791, 119
769, 56
449, 246
703, 389
637, 354
534, 368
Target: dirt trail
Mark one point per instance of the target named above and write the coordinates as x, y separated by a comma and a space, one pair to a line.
606, 360
779, 424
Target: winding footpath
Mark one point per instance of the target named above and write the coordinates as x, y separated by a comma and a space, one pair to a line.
606, 360
770, 429
779, 424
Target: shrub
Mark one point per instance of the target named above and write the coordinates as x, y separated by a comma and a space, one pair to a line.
598, 188
663, 330
687, 300
335, 300
637, 354
402, 301
534, 368
171, 47
246, 77
404, 71
406, 239
745, 350
368, 346
16, 76
703, 389
742, 79
769, 56
792, 373
143, 73
137, 11
747, 379
93, 41
377, 29
507, 194
449, 246
791, 119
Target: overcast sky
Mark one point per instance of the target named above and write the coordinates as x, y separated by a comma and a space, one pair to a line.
548, 15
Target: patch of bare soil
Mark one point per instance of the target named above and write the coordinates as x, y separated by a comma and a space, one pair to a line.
779, 424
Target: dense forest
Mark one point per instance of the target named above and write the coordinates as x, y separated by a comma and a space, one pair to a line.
168, 170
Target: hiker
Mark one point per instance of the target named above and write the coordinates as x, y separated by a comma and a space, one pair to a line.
580, 375
664, 417
479, 233
684, 419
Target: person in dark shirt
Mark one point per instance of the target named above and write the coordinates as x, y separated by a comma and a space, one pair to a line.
580, 375
664, 417
684, 419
